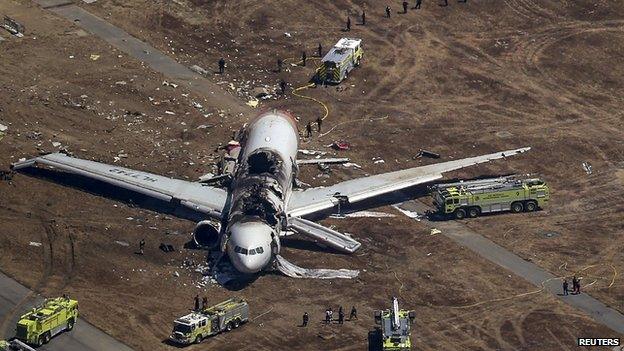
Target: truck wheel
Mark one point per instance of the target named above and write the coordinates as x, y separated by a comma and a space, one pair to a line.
198, 339
46, 338
460, 213
530, 206
40, 341
229, 327
70, 324
516, 207
237, 324
474, 212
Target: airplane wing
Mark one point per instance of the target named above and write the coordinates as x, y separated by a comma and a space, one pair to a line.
314, 200
205, 199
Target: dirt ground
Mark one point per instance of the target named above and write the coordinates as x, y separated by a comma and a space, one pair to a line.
461, 80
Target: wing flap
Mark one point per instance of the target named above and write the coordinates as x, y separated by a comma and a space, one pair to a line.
324, 235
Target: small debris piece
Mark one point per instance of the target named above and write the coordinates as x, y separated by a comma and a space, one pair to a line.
379, 161
3, 128
341, 145
288, 35
176, 274
427, 153
170, 112
56, 144
94, 57
435, 231
587, 167
121, 82
253, 103
34, 243
13, 27
122, 243
166, 247
167, 84
199, 70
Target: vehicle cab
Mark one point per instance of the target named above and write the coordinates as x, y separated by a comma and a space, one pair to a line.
189, 329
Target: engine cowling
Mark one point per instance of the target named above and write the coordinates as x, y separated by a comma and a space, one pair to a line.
206, 235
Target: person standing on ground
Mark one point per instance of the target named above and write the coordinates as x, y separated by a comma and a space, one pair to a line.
221, 65
309, 129
319, 122
565, 287
280, 63
388, 10
303, 58
306, 318
320, 50
340, 315
363, 18
348, 23
574, 284
196, 302
353, 314
327, 316
204, 302
417, 6
404, 6
282, 85
142, 246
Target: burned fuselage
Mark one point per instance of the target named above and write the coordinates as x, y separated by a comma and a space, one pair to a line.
260, 190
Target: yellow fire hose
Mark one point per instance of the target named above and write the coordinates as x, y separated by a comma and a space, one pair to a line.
295, 92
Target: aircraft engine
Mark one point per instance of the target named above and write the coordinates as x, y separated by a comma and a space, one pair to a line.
206, 234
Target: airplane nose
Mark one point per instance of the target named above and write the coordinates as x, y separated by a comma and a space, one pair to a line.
249, 264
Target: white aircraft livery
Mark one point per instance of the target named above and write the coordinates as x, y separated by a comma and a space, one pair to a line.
258, 204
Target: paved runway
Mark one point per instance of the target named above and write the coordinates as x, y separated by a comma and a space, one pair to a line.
16, 299
534, 274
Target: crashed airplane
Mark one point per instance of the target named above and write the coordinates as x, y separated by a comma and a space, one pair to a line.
258, 205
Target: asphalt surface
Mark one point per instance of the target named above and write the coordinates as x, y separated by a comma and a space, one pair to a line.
16, 300
474, 241
156, 60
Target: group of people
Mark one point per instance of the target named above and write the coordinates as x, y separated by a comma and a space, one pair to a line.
576, 286
319, 123
329, 316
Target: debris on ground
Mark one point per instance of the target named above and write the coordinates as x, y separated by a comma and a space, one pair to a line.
166, 247
291, 270
435, 231
378, 161
340, 145
56, 144
176, 274
426, 153
323, 161
122, 243
351, 164
13, 27
587, 167
167, 84
408, 213
199, 70
312, 152
94, 57
3, 128
253, 103
6, 175
34, 243
365, 214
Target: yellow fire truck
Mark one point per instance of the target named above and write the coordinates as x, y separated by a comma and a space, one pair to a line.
339, 61
472, 198
197, 325
45, 321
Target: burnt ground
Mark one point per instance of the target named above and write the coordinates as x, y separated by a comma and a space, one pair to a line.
462, 80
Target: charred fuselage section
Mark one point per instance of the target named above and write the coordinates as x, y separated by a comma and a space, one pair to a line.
260, 187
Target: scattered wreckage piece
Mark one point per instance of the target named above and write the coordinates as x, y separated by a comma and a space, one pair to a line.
587, 167
291, 270
13, 27
427, 153
341, 145
323, 161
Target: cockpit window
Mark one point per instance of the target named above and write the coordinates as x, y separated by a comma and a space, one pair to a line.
259, 250
252, 251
